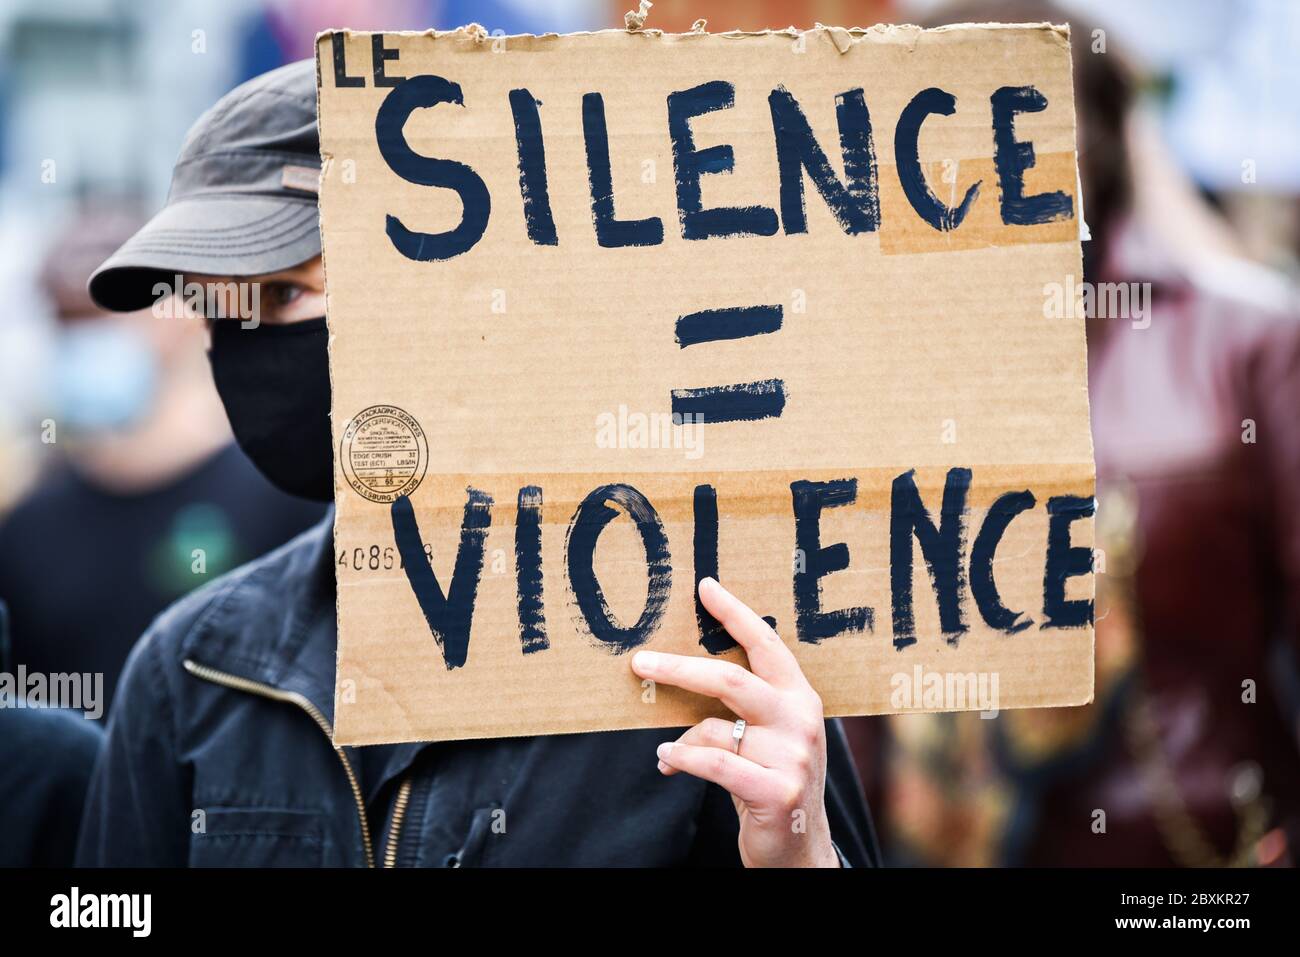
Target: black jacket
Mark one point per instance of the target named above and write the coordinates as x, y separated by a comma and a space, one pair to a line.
219, 753
46, 756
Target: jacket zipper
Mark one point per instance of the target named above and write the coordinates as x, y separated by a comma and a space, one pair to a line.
395, 831
237, 683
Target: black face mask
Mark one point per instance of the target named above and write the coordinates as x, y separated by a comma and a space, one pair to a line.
274, 381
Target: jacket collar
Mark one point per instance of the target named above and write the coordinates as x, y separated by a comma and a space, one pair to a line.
272, 620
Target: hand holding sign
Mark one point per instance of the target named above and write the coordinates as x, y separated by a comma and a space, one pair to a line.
777, 777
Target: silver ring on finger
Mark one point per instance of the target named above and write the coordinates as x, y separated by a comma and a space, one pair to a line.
737, 733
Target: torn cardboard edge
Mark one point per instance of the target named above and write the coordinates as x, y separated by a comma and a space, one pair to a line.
887, 32
635, 20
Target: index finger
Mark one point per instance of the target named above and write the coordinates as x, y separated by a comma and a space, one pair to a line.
769, 658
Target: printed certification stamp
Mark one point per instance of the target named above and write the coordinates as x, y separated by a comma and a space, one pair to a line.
384, 453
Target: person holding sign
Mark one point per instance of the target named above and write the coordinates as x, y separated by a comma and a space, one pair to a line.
220, 747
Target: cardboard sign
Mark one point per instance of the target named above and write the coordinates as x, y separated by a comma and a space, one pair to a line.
611, 312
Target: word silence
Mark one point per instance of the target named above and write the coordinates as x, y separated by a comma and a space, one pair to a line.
854, 200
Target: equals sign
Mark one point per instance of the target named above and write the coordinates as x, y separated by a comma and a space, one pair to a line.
745, 401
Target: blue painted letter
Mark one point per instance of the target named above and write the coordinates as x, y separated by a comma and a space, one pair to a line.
390, 119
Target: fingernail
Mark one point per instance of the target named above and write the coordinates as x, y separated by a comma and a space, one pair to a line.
664, 750
663, 768
645, 660
708, 582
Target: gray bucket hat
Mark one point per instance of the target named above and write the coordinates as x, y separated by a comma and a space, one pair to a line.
243, 194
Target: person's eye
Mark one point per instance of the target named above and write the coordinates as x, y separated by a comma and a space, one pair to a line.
285, 293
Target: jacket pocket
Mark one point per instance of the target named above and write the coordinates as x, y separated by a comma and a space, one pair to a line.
471, 852
258, 837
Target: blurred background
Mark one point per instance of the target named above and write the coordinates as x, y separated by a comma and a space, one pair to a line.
120, 489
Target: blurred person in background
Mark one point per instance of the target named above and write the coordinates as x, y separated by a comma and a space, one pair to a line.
144, 497
1189, 753
46, 757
